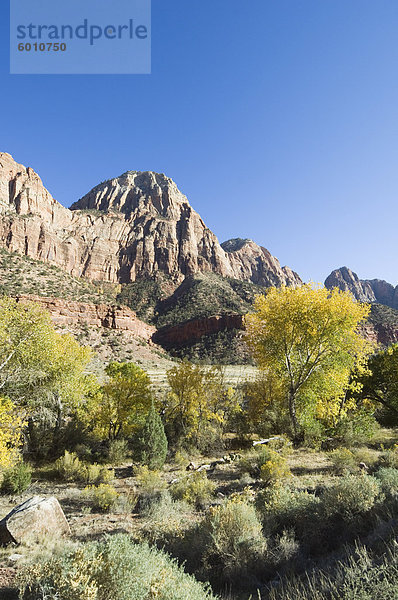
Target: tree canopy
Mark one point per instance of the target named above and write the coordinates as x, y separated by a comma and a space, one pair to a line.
126, 399
379, 382
309, 338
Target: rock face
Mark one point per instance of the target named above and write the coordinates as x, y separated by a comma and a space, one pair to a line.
191, 331
68, 312
136, 226
32, 519
251, 262
365, 290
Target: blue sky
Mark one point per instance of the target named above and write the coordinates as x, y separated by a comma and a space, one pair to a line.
277, 118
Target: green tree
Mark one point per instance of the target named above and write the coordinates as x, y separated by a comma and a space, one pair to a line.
41, 370
379, 382
199, 403
264, 407
125, 401
309, 338
152, 441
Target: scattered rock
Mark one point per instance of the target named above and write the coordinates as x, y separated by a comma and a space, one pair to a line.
32, 519
203, 468
15, 557
267, 440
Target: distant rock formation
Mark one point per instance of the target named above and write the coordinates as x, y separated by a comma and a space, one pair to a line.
135, 226
365, 290
69, 312
193, 330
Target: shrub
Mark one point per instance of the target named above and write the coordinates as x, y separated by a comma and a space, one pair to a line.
117, 451
152, 441
149, 481
83, 452
350, 496
181, 459
195, 489
102, 497
68, 467
265, 463
366, 455
96, 473
274, 468
359, 576
17, 479
389, 458
115, 568
388, 478
167, 519
282, 508
232, 535
357, 428
343, 461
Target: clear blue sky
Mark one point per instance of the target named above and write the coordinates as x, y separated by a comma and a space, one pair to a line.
277, 118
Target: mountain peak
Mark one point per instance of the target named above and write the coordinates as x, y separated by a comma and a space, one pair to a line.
364, 290
144, 228
132, 191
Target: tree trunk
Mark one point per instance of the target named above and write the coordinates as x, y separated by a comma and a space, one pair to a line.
292, 413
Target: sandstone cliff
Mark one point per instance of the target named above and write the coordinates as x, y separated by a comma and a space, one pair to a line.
133, 227
193, 330
365, 290
67, 312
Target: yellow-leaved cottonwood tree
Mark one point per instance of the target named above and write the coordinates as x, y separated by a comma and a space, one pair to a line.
309, 337
41, 370
125, 401
11, 424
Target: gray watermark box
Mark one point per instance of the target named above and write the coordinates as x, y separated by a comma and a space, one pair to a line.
80, 37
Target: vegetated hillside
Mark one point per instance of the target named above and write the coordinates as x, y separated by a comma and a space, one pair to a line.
22, 275
199, 296
204, 295
225, 347
384, 315
383, 324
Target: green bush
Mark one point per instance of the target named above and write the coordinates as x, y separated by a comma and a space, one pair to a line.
195, 489
359, 576
389, 457
266, 464
83, 452
343, 461
282, 508
102, 497
96, 474
68, 467
152, 441
113, 569
350, 496
232, 537
117, 451
388, 478
17, 479
357, 428
149, 481
166, 519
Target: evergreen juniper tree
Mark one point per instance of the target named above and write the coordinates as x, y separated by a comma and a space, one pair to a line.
152, 442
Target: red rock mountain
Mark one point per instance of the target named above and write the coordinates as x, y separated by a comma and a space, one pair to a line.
136, 226
364, 290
